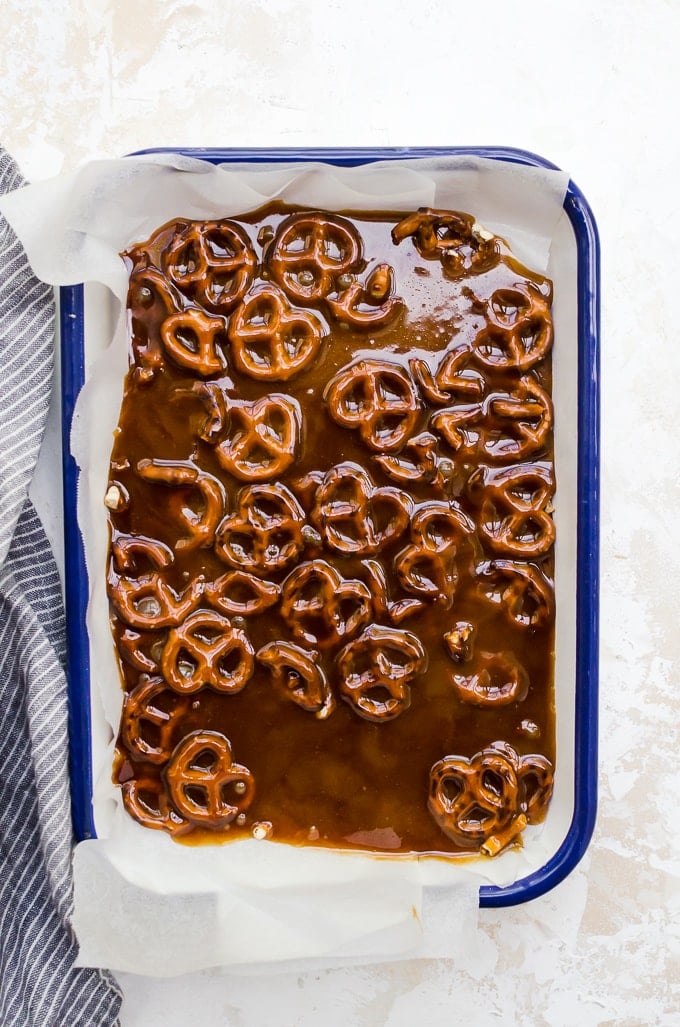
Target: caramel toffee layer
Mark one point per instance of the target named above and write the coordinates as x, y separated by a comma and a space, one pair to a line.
331, 561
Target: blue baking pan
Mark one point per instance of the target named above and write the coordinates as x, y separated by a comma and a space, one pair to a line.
587, 529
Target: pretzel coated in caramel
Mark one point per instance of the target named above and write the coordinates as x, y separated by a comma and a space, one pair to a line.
452, 237
192, 339
310, 251
321, 607
498, 681
513, 519
519, 330
377, 397
263, 438
141, 710
270, 340
298, 676
212, 262
477, 801
264, 534
206, 650
201, 524
355, 516
205, 784
521, 590
376, 670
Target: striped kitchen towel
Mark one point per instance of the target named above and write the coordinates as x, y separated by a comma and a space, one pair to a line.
39, 986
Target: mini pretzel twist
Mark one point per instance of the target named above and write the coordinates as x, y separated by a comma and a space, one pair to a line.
146, 800
140, 708
264, 535
212, 262
308, 253
519, 332
205, 784
264, 437
523, 592
206, 650
378, 398
186, 476
239, 593
499, 680
355, 516
321, 607
451, 236
513, 519
381, 660
147, 601
368, 306
192, 339
485, 802
299, 677
270, 341
427, 567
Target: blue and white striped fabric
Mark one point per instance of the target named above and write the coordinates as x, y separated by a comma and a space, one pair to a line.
39, 986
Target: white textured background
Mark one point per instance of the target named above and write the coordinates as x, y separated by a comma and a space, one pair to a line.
593, 87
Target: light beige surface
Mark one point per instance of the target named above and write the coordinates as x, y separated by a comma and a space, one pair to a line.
591, 89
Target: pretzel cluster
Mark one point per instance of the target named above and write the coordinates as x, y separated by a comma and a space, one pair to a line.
323, 507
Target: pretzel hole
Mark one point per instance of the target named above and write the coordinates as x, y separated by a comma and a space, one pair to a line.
316, 627
219, 244
295, 339
185, 664
222, 284
259, 352
528, 493
230, 662
530, 531
196, 795
492, 782
297, 244
152, 734
440, 532
355, 400
386, 426
147, 606
379, 694
187, 261
450, 788
475, 817
531, 333
257, 456
187, 338
150, 801
206, 759
241, 546
508, 305
491, 346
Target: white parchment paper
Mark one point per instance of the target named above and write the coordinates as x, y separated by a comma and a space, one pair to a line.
143, 903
